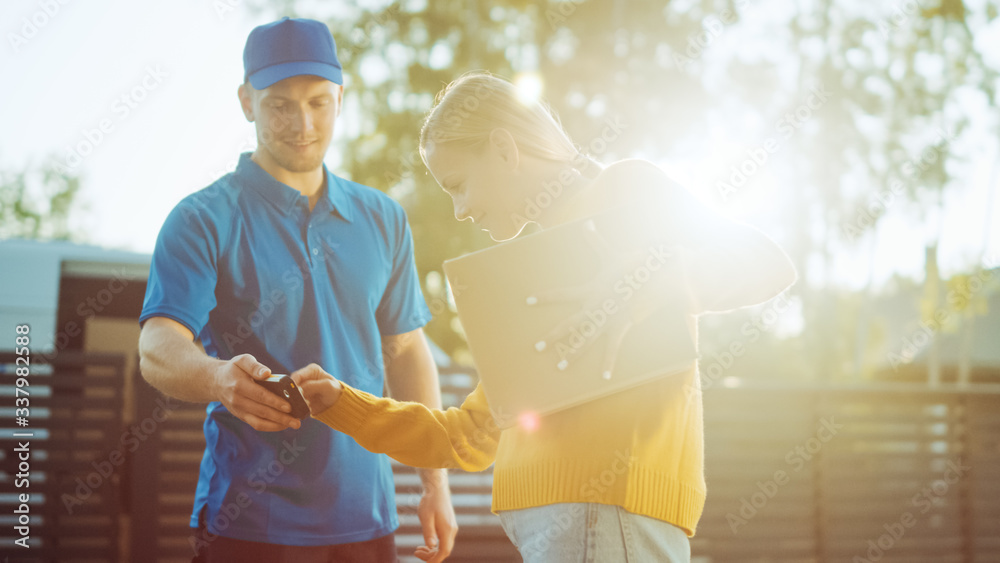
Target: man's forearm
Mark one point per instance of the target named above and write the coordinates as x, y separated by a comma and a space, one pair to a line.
176, 366
171, 362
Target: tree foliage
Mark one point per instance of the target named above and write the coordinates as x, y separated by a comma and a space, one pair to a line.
38, 203
901, 77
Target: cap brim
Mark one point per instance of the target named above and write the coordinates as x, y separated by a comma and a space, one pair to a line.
265, 77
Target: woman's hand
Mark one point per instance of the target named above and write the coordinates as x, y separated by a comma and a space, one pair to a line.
320, 389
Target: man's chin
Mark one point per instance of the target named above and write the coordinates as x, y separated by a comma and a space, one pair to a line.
292, 162
300, 163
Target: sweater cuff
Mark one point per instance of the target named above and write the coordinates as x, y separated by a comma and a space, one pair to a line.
349, 412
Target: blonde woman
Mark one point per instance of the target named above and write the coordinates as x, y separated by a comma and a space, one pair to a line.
617, 479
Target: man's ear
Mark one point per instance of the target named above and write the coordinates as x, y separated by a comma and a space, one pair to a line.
503, 145
340, 99
246, 101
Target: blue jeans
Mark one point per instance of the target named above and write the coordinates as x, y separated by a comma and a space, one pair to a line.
593, 533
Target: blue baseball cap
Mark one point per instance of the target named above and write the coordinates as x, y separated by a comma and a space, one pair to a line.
290, 47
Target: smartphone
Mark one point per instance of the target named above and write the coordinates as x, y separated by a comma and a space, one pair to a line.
284, 387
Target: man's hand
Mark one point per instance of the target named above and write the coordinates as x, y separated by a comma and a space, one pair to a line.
437, 518
233, 385
320, 389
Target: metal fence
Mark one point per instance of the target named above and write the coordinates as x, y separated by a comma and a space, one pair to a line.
874, 473
807, 473
61, 458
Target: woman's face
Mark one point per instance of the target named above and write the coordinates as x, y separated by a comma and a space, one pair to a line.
485, 185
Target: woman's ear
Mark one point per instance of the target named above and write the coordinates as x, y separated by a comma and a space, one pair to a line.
503, 146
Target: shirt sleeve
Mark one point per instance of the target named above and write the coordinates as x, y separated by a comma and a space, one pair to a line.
402, 307
463, 437
183, 272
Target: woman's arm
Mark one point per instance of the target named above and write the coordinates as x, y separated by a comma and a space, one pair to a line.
740, 267
679, 254
730, 264
462, 437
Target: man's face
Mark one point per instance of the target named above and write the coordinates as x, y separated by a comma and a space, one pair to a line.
294, 119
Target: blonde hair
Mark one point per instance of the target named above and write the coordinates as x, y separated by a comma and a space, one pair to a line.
474, 104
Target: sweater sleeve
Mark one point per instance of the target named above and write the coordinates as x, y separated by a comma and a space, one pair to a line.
411, 433
739, 267
730, 264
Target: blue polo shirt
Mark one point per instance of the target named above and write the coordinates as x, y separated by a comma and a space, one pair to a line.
248, 268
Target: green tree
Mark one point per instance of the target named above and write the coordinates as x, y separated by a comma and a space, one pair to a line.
37, 203
897, 73
398, 57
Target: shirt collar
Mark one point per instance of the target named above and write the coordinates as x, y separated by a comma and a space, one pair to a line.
285, 197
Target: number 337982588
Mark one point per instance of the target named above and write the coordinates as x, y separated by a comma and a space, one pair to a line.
22, 363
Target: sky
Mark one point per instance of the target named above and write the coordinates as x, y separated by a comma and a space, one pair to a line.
161, 77
139, 98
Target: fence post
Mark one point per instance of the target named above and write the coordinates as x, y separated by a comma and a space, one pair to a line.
144, 480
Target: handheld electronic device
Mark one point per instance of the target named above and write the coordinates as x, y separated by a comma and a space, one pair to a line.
284, 387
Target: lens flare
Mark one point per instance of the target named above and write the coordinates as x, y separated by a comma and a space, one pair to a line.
529, 87
528, 421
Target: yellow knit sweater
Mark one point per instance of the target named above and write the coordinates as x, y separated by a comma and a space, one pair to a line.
641, 449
